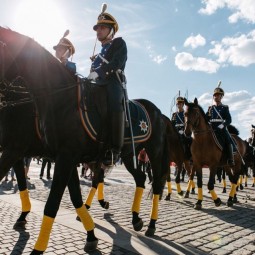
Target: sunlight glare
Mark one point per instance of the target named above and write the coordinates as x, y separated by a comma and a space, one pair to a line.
44, 21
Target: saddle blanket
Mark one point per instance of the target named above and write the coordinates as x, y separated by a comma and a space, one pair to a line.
92, 120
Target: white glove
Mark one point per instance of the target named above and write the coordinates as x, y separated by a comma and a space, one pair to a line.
92, 76
221, 126
181, 132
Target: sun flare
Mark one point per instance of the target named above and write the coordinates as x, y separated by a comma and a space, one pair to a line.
42, 20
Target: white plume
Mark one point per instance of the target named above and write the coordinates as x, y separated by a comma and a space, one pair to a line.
219, 83
103, 7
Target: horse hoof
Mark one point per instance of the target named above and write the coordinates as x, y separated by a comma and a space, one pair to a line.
91, 246
230, 203
180, 193
186, 194
245, 185
193, 191
217, 202
241, 187
138, 226
35, 252
78, 218
198, 206
150, 232
253, 185
106, 206
235, 201
224, 190
168, 197
20, 224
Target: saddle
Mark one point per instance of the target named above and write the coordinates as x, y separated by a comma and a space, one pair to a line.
93, 109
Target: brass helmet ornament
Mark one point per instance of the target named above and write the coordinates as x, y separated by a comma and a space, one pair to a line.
64, 42
218, 90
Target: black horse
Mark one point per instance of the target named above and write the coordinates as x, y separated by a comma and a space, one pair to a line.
54, 92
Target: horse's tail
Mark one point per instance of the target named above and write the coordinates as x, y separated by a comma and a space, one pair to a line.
233, 130
165, 164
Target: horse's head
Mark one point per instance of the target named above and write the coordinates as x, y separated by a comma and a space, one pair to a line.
252, 136
22, 56
193, 114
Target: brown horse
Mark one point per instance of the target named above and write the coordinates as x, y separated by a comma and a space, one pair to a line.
205, 151
176, 155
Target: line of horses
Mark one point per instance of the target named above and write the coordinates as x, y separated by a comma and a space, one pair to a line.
35, 86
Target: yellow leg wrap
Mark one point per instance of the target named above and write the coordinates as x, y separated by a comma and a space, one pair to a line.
90, 197
238, 183
245, 179
224, 183
25, 201
200, 194
213, 194
169, 187
85, 217
193, 184
154, 209
253, 179
44, 235
178, 187
233, 190
189, 185
100, 191
137, 199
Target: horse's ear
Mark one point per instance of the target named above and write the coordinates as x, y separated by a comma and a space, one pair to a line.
195, 101
185, 101
252, 126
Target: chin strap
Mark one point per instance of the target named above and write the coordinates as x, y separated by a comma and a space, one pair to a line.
65, 55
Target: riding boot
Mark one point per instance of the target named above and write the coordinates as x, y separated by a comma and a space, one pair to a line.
230, 156
117, 138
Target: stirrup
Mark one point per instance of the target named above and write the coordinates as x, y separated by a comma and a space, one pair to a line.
111, 159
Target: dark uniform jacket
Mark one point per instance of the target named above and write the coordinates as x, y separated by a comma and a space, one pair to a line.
178, 121
214, 118
115, 53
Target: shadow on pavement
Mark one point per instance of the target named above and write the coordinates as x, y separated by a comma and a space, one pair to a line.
21, 243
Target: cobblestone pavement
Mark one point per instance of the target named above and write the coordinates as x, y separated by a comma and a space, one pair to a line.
213, 230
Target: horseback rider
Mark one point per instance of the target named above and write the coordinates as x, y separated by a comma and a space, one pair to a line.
106, 68
219, 117
64, 50
178, 121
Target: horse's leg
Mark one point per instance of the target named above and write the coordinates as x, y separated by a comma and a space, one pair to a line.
198, 204
7, 160
210, 186
139, 178
64, 165
233, 179
24, 194
169, 186
191, 183
224, 181
178, 179
253, 177
81, 210
100, 190
160, 168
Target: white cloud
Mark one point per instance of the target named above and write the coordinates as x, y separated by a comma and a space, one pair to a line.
195, 41
241, 9
154, 56
174, 48
238, 51
186, 62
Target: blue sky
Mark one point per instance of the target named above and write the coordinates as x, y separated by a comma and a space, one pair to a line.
173, 45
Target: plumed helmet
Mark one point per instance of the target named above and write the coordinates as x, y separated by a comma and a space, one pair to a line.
179, 100
106, 19
218, 90
64, 42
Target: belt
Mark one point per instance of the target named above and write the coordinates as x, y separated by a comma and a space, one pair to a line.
216, 120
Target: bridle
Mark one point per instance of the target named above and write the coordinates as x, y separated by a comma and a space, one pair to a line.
195, 123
